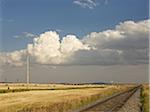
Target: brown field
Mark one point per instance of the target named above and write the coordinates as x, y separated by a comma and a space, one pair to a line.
53, 100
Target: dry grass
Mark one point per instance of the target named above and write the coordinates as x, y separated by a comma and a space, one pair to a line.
18, 87
145, 97
54, 101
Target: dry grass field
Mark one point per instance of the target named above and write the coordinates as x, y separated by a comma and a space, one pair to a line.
56, 100
43, 86
18, 87
6, 88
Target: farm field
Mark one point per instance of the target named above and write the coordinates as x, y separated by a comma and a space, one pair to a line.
19, 87
48, 98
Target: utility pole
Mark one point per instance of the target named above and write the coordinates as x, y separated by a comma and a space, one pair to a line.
28, 69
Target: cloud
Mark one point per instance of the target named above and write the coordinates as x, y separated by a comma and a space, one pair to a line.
129, 39
71, 43
15, 58
127, 43
25, 35
91, 4
48, 49
126, 35
45, 48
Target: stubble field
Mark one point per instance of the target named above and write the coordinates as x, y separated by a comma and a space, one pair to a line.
52, 97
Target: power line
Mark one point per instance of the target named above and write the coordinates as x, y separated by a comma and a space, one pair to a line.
28, 69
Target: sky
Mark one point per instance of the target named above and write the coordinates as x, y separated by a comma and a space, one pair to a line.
37, 16
69, 35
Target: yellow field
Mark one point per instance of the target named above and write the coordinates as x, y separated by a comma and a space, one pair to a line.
42, 86
19, 87
54, 100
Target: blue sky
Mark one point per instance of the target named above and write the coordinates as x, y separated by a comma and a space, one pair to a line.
37, 16
122, 58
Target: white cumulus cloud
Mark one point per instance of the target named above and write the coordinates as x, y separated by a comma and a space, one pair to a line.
49, 49
127, 43
15, 58
71, 43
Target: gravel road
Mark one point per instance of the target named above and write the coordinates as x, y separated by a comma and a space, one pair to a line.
133, 104
118, 103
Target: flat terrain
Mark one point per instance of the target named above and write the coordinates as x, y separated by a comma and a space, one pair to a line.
53, 97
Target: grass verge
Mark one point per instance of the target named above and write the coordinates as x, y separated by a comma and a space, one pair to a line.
145, 98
